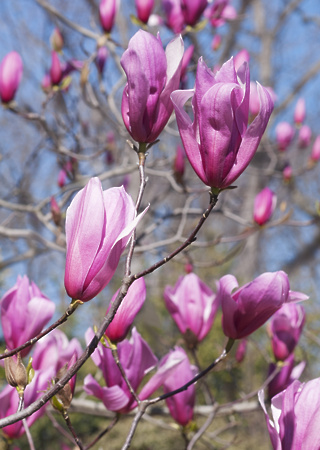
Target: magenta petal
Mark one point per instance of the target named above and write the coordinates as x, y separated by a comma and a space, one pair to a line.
11, 69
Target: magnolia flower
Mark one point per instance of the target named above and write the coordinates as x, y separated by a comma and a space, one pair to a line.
192, 10
137, 360
56, 73
305, 135
144, 9
24, 312
285, 329
152, 75
296, 416
244, 310
218, 143
284, 135
315, 152
287, 375
127, 311
264, 205
300, 111
174, 15
11, 69
107, 11
99, 225
192, 305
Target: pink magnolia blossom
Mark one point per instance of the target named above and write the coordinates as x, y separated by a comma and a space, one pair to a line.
55, 350
152, 75
315, 152
9, 400
62, 178
137, 360
216, 42
287, 375
56, 74
24, 312
107, 11
174, 15
285, 329
284, 135
179, 164
144, 9
264, 205
218, 143
11, 69
101, 58
127, 311
219, 12
296, 416
305, 135
246, 309
181, 405
192, 305
300, 111
192, 10
241, 350
287, 173
99, 225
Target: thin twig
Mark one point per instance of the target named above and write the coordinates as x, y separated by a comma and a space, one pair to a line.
136, 420
100, 435
74, 434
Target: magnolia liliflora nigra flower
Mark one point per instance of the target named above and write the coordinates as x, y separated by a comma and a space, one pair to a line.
264, 205
24, 311
244, 310
296, 417
152, 75
99, 225
218, 143
11, 69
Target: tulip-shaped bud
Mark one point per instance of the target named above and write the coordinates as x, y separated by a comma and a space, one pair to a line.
16, 373
55, 69
192, 10
62, 178
288, 374
218, 143
46, 83
287, 173
300, 111
219, 12
127, 311
185, 63
108, 10
188, 267
315, 153
99, 225
241, 350
246, 309
24, 312
193, 306
284, 135
144, 9
62, 400
174, 15
56, 40
264, 205
55, 211
285, 329
11, 69
101, 58
181, 405
305, 135
179, 165
296, 416
152, 75
216, 42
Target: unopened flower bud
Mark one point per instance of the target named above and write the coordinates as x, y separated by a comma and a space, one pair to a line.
55, 211
15, 372
56, 40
